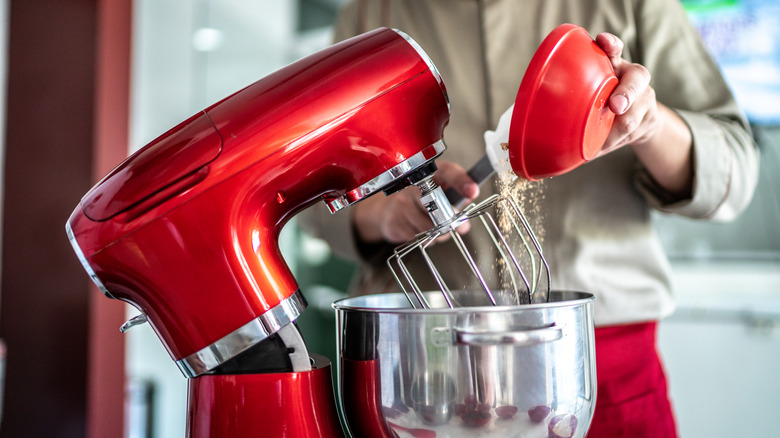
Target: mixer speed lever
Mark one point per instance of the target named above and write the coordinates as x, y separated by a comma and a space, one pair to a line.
479, 172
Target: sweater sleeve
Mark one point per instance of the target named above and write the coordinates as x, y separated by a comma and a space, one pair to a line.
687, 79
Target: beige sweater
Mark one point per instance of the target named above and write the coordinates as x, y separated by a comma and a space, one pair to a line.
595, 220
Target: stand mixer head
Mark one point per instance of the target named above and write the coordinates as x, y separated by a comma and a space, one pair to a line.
186, 229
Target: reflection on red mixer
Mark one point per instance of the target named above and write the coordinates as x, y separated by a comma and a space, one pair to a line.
187, 228
361, 398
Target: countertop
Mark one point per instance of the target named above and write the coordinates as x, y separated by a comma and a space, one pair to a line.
739, 285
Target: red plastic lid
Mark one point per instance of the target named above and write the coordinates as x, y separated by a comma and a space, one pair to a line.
561, 118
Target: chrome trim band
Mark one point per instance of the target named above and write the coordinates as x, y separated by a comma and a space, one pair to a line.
244, 337
428, 61
84, 263
385, 178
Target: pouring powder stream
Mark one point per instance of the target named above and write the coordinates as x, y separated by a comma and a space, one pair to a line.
529, 196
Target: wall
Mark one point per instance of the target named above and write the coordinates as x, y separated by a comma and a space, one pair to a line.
722, 348
66, 118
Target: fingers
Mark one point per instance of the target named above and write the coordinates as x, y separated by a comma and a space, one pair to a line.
611, 45
633, 100
635, 125
634, 78
634, 81
453, 175
395, 218
401, 216
404, 217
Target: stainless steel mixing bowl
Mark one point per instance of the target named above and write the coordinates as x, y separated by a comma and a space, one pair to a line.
509, 371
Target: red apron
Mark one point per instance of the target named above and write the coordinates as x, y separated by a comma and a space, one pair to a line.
631, 400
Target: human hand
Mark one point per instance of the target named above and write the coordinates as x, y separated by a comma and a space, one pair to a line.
660, 138
633, 101
401, 216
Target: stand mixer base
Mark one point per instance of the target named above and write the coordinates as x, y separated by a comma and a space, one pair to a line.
279, 405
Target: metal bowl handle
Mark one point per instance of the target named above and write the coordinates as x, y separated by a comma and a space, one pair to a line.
445, 336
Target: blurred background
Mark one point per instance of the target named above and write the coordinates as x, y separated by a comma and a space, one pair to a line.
68, 372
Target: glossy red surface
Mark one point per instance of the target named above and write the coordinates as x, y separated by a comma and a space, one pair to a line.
191, 238
168, 160
284, 405
361, 399
561, 119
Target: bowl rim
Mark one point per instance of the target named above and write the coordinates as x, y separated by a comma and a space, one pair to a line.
360, 304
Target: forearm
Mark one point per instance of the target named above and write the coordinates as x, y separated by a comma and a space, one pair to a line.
667, 155
725, 169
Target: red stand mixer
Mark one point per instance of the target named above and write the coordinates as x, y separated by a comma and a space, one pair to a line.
186, 229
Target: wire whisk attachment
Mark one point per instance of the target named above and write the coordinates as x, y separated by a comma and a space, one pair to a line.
520, 275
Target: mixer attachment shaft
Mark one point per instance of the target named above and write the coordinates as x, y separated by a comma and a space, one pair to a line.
503, 224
